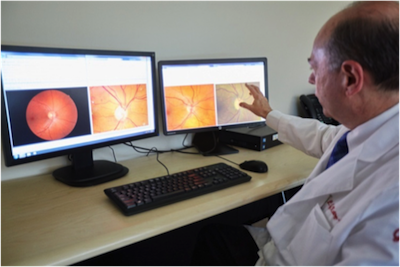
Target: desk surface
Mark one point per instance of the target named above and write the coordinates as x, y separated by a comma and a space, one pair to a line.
45, 222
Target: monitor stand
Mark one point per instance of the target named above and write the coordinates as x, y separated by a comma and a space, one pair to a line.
208, 144
84, 171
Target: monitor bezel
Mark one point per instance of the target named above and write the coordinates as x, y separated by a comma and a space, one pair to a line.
5, 133
163, 63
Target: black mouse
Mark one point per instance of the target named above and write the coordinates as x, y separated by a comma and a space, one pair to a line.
254, 166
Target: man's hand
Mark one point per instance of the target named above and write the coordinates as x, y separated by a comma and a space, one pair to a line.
260, 105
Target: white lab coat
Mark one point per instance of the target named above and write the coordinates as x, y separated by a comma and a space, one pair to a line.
348, 214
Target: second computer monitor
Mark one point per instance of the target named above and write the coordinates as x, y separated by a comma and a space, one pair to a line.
204, 95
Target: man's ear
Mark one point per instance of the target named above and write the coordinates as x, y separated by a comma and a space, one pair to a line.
353, 77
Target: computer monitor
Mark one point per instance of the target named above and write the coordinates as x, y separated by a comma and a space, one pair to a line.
70, 101
202, 96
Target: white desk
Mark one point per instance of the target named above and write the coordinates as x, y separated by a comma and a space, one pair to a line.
45, 222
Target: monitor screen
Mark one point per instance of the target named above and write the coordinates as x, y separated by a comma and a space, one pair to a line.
70, 101
204, 95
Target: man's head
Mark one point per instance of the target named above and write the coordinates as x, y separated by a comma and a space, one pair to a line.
370, 36
356, 55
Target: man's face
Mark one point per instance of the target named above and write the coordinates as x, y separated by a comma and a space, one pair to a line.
326, 81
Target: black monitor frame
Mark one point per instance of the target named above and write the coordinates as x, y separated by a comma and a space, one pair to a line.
206, 139
83, 171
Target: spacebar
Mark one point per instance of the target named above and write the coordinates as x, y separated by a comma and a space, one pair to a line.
169, 195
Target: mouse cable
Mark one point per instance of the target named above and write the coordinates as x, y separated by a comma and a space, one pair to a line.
218, 156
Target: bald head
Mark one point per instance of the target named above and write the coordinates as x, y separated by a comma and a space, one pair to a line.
375, 10
366, 32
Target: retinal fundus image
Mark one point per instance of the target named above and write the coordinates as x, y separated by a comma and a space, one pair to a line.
51, 115
118, 107
190, 106
228, 98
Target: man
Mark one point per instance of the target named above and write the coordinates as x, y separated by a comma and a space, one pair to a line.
346, 213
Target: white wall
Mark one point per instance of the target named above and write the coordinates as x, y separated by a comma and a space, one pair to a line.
281, 31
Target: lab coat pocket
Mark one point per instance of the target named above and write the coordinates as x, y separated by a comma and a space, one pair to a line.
310, 245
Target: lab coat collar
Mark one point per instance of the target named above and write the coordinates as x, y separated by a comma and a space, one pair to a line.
324, 185
382, 140
320, 183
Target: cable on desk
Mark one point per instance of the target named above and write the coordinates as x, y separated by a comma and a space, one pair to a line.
226, 159
155, 149
150, 150
147, 150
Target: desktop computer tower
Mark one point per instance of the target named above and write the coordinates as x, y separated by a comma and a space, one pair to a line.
259, 138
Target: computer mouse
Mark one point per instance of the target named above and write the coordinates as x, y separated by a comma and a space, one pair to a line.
254, 166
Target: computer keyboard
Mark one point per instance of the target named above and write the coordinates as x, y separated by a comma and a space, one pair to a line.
149, 194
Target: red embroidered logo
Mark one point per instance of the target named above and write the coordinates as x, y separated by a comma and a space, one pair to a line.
396, 235
331, 207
